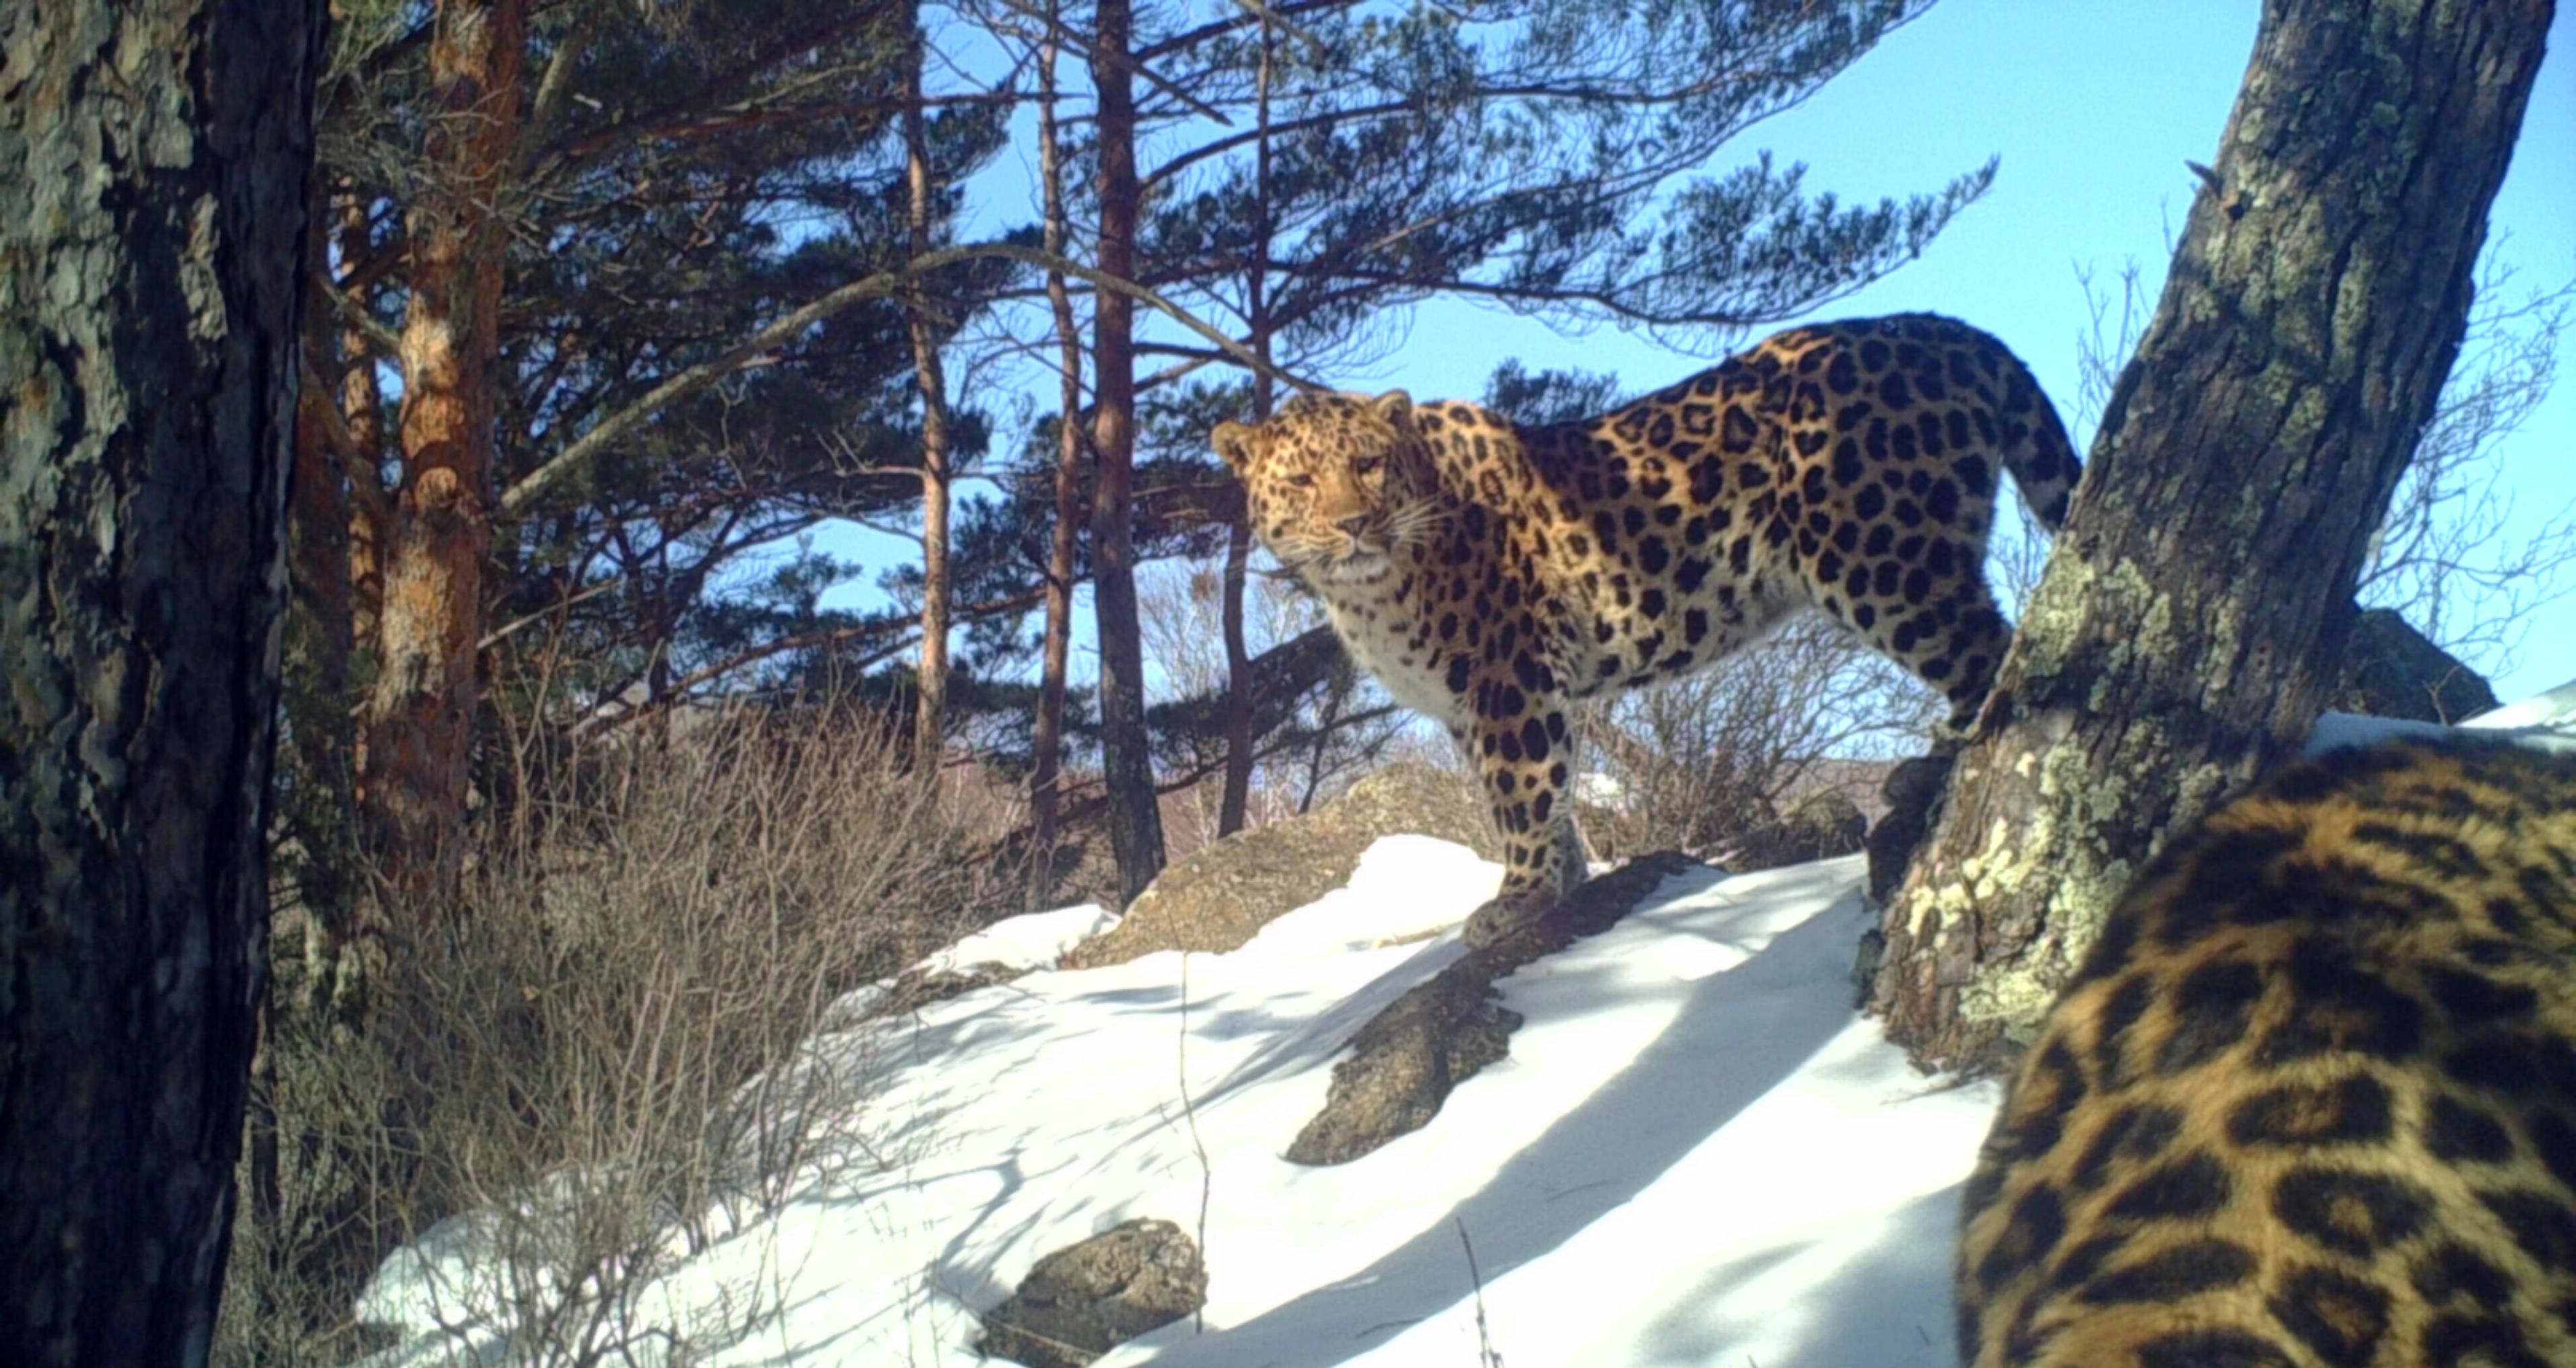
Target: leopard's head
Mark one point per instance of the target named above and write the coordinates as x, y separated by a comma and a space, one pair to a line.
1336, 483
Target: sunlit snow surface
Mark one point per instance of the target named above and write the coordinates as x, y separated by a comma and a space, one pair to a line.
1697, 1152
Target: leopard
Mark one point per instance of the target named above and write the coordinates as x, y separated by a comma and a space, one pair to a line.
1490, 573
2309, 1100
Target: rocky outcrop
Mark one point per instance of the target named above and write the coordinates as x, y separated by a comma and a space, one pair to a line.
919, 987
1406, 1059
1911, 790
1825, 824
1219, 897
2391, 670
1085, 1299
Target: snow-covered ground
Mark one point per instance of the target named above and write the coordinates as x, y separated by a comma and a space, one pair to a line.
1696, 1153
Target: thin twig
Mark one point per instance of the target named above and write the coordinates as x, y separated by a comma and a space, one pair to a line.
500, 634
1485, 1353
1190, 1115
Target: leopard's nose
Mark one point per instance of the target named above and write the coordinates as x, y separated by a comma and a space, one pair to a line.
1355, 524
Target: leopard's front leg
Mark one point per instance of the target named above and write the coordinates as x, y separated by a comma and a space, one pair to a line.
1525, 756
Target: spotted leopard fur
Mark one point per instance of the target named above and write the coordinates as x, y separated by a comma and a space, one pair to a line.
2311, 1100
1490, 573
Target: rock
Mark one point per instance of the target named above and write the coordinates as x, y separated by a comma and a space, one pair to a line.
1911, 790
1866, 958
1403, 1064
1825, 824
1218, 898
1085, 1299
1407, 1058
2391, 670
917, 987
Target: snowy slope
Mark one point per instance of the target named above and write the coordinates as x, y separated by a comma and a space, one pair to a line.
1697, 1152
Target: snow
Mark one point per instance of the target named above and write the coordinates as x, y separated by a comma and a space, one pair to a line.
1697, 1151
2554, 709
2546, 720
1034, 941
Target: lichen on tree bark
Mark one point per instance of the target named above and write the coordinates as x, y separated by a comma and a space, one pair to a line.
2202, 588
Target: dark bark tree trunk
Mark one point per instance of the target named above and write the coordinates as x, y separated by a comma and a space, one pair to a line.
1231, 809
151, 247
931, 717
2202, 591
420, 722
1135, 823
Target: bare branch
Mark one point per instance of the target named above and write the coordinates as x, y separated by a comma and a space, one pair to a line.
1129, 61
386, 344
901, 629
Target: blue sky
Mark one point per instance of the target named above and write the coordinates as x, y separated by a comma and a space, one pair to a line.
2093, 107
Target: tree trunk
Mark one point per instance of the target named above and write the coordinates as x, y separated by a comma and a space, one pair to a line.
1135, 824
930, 723
1231, 810
1046, 778
319, 795
362, 409
420, 722
151, 248
1239, 753
2202, 591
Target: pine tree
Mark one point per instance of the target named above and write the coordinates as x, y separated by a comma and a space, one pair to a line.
156, 206
1545, 157
420, 716
700, 350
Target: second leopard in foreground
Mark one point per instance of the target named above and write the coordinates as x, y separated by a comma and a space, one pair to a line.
2310, 1102
1489, 573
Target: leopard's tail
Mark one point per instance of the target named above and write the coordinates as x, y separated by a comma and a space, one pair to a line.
2035, 447
2029, 438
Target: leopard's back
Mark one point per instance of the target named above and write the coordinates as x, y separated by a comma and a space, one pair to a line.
1849, 467
2311, 1101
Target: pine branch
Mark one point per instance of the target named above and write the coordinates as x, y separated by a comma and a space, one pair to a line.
525, 495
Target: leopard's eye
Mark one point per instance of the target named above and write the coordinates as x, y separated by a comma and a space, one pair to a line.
1301, 480
1367, 465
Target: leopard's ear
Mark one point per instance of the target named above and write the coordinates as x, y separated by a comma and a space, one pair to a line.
1394, 406
1233, 441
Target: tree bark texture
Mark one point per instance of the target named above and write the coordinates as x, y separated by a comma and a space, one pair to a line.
420, 722
152, 221
2202, 590
931, 717
362, 412
1135, 822
1236, 803
318, 791
1046, 777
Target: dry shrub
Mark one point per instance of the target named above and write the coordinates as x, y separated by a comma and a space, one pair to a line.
1709, 763
590, 1058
